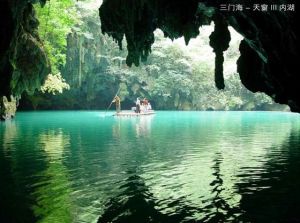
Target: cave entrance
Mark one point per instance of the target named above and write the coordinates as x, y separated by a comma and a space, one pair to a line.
186, 75
88, 68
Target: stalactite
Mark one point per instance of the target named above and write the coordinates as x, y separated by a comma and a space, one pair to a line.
219, 41
219, 78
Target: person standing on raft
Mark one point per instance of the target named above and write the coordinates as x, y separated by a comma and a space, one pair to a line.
138, 106
117, 100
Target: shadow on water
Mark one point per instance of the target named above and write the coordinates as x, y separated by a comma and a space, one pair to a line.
276, 198
29, 181
14, 204
136, 204
280, 199
223, 211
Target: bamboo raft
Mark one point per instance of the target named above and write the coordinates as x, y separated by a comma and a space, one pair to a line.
132, 113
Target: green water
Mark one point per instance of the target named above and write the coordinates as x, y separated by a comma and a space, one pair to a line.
170, 167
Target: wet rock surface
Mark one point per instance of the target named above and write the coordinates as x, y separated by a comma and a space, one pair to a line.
7, 108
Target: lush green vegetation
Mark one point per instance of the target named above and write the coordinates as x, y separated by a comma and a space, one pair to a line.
175, 76
56, 19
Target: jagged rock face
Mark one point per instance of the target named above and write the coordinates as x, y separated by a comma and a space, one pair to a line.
84, 64
7, 108
84, 60
23, 62
269, 51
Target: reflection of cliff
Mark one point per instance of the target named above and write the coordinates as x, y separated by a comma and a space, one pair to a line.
223, 211
10, 133
277, 196
220, 158
136, 203
53, 199
13, 193
34, 181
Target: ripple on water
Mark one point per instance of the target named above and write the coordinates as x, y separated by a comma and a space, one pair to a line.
172, 167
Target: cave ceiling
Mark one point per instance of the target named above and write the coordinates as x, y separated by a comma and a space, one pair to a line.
268, 52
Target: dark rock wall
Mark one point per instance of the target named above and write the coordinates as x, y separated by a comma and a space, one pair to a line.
269, 51
269, 55
23, 62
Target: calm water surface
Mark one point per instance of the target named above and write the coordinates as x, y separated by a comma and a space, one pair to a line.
170, 167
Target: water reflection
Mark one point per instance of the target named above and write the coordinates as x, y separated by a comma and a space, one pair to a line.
172, 167
9, 135
217, 165
146, 197
53, 192
14, 202
279, 195
135, 203
35, 178
222, 209
141, 126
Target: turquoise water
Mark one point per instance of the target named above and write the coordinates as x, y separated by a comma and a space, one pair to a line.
170, 167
